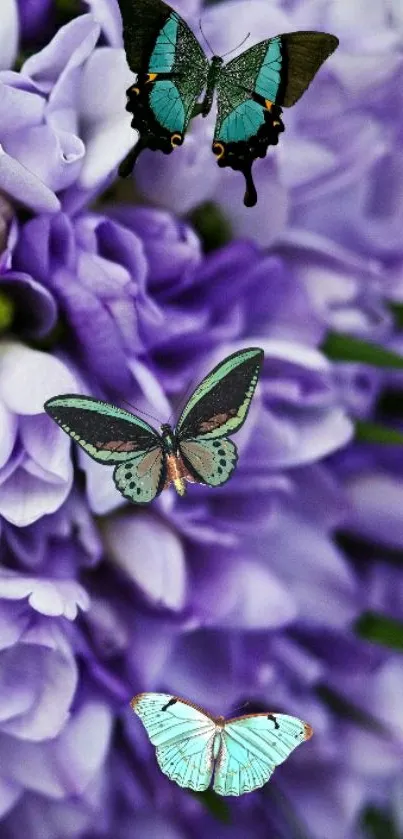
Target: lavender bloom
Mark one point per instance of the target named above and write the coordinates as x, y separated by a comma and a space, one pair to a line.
35, 468
8, 34
238, 595
56, 128
37, 20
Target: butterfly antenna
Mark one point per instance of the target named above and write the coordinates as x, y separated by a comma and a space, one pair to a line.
240, 707
135, 408
237, 48
182, 401
209, 45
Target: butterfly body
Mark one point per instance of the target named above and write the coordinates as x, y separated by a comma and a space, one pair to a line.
195, 748
212, 79
197, 450
176, 470
173, 72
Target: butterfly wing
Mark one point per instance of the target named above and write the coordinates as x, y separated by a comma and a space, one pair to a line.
183, 735
143, 477
252, 747
251, 90
218, 406
113, 436
220, 403
212, 461
171, 74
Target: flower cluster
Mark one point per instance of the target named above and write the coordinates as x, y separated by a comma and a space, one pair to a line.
258, 594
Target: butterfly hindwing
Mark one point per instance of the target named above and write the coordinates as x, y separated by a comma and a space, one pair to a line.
183, 736
251, 90
252, 747
220, 403
171, 74
211, 462
143, 477
108, 434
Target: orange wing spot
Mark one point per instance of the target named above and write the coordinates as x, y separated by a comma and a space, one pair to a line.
151, 77
116, 446
219, 150
176, 140
308, 731
268, 104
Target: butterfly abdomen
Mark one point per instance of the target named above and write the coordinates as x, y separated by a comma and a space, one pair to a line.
175, 473
174, 466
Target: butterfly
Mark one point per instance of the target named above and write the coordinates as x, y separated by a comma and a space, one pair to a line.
172, 72
191, 744
197, 450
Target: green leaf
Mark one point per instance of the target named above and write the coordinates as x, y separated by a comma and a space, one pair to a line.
379, 824
339, 347
397, 311
347, 710
212, 226
380, 629
215, 805
7, 311
371, 432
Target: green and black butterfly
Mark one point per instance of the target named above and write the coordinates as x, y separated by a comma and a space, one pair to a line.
172, 72
197, 450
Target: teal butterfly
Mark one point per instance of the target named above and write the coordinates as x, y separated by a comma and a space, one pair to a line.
172, 72
191, 745
197, 450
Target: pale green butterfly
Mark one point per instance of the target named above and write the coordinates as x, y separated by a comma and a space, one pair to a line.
192, 745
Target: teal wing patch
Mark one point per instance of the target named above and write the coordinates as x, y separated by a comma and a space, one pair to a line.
242, 123
252, 747
268, 80
211, 462
168, 106
141, 478
220, 403
162, 58
108, 434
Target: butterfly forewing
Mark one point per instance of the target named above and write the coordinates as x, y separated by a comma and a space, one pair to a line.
183, 736
252, 747
212, 462
108, 434
220, 403
304, 53
142, 21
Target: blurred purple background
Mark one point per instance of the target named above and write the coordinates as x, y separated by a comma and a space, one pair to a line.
284, 588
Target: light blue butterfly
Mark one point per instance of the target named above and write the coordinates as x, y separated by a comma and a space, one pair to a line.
191, 745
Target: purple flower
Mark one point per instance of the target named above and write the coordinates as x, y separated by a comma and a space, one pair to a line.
35, 469
240, 598
8, 34
56, 129
37, 19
